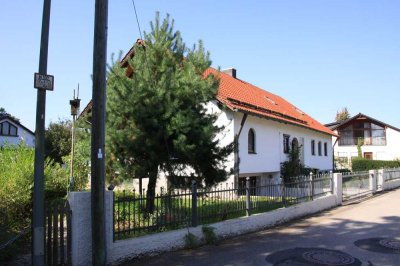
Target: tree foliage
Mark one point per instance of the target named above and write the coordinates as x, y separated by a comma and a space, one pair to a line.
157, 119
58, 140
3, 112
292, 167
342, 115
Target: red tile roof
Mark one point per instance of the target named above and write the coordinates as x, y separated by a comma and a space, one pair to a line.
245, 97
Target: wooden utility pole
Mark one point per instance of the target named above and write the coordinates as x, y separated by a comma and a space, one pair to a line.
99, 256
38, 235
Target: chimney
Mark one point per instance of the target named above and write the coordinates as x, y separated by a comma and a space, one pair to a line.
230, 71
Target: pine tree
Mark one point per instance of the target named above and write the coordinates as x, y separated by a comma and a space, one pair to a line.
342, 115
157, 119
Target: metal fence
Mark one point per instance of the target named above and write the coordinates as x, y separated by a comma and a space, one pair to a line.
392, 174
175, 209
58, 234
355, 185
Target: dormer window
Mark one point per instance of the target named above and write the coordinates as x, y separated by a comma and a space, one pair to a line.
251, 141
8, 129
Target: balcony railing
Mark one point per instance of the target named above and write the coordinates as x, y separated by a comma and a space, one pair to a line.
372, 141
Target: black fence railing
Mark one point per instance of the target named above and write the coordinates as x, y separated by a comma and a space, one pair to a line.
182, 208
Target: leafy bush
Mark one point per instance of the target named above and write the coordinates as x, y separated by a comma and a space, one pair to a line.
361, 164
16, 185
345, 170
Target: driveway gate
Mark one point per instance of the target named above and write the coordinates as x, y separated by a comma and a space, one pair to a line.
356, 185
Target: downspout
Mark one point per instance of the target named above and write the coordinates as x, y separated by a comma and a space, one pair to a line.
333, 153
236, 151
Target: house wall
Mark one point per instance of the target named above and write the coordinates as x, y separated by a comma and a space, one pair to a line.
23, 135
390, 151
269, 146
266, 162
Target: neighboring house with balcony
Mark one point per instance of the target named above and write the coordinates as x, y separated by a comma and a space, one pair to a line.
13, 132
377, 140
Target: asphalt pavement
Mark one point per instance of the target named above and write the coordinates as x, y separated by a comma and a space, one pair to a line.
361, 233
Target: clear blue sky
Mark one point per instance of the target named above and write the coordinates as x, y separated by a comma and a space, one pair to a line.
320, 55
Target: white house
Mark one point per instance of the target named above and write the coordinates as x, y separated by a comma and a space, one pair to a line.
377, 140
13, 132
266, 126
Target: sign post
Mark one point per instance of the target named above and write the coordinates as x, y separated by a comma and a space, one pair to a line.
42, 82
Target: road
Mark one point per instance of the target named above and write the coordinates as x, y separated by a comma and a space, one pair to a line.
327, 238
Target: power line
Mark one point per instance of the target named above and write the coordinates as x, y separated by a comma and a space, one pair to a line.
137, 19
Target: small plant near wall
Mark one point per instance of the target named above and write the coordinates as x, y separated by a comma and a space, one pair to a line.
209, 234
191, 241
360, 142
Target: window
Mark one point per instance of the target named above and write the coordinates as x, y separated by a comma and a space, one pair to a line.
7, 129
325, 148
319, 148
368, 155
367, 132
251, 141
313, 147
286, 146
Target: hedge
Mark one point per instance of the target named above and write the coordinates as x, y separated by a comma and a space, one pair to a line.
361, 164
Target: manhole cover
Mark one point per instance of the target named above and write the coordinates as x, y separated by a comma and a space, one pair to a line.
311, 257
381, 245
390, 243
328, 257
291, 263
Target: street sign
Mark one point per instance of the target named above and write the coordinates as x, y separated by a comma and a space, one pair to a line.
45, 82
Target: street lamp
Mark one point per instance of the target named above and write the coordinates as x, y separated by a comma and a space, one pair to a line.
75, 104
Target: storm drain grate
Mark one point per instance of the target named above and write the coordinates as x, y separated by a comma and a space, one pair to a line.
328, 257
381, 245
390, 243
312, 257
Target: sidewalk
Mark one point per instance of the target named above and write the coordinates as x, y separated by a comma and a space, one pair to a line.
329, 238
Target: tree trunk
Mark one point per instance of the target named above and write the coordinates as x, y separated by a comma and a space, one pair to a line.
151, 192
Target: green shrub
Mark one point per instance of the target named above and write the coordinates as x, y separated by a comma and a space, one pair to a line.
16, 186
345, 170
361, 164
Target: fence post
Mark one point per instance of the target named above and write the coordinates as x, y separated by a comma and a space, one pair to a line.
312, 185
338, 190
248, 203
372, 181
381, 179
194, 203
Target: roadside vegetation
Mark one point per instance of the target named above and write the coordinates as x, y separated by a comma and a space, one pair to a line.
16, 188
